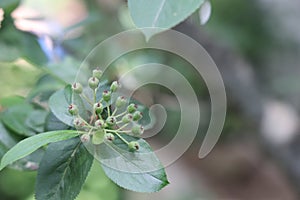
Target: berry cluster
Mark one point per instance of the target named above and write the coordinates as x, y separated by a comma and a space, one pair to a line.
106, 122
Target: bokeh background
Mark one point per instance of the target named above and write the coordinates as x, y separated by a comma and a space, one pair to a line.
256, 46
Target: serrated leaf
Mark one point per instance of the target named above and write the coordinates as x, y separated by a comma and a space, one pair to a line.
63, 170
160, 14
29, 145
60, 101
140, 171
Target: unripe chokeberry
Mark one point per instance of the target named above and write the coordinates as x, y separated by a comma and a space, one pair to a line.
127, 118
98, 107
114, 86
106, 95
100, 123
97, 73
121, 101
137, 115
85, 138
78, 122
73, 110
109, 136
77, 88
111, 121
93, 82
131, 108
133, 146
137, 130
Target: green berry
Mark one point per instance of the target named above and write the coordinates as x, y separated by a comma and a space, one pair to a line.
97, 73
127, 118
100, 123
109, 136
106, 95
73, 110
137, 130
93, 82
137, 115
114, 86
132, 108
111, 121
78, 122
98, 107
77, 88
133, 146
121, 101
85, 138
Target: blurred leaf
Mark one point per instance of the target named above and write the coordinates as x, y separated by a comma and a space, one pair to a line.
60, 101
98, 186
36, 120
29, 145
63, 170
9, 5
6, 140
45, 87
162, 14
11, 101
16, 185
140, 171
18, 44
14, 118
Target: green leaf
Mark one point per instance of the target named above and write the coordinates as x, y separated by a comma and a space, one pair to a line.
6, 140
161, 14
9, 5
60, 101
54, 124
29, 145
11, 101
36, 120
14, 118
16, 44
63, 170
140, 171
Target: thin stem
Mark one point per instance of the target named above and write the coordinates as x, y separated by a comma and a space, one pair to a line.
120, 131
114, 111
125, 141
108, 110
86, 123
121, 114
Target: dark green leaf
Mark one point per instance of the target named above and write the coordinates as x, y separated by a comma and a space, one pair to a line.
63, 170
29, 145
54, 124
162, 14
6, 141
140, 171
18, 44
